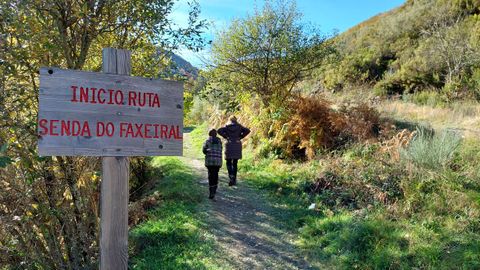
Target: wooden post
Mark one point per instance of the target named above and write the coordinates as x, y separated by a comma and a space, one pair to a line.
114, 188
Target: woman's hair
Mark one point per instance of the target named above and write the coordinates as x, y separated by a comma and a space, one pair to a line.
212, 133
233, 119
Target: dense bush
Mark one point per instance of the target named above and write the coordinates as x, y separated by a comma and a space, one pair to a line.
313, 124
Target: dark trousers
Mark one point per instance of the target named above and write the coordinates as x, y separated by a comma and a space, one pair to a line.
232, 168
213, 179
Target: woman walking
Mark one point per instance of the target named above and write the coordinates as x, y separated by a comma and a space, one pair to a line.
212, 148
233, 132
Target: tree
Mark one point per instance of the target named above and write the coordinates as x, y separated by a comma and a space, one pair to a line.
49, 205
451, 44
268, 53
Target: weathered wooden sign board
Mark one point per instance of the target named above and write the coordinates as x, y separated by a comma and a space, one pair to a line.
112, 115
98, 114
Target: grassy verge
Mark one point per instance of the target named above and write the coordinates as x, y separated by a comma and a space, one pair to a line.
373, 211
174, 236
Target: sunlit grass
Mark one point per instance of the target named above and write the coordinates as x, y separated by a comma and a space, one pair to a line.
461, 116
174, 236
433, 225
196, 139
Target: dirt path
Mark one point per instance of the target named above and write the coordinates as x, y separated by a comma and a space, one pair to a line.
246, 226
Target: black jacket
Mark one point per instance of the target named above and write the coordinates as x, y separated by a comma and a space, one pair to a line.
233, 133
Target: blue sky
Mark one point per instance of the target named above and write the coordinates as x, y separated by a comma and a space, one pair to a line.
329, 15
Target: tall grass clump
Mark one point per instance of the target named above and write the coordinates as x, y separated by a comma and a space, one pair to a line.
432, 150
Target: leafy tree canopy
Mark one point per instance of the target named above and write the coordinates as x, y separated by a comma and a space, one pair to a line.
49, 204
267, 53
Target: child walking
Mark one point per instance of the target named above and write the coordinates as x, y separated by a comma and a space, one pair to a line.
212, 148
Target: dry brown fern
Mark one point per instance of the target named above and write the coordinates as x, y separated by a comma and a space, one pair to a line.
314, 125
400, 140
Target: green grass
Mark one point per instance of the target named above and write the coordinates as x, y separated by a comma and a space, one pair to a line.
174, 236
433, 223
286, 185
346, 241
197, 137
430, 221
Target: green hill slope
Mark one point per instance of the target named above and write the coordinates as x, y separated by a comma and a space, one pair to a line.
423, 44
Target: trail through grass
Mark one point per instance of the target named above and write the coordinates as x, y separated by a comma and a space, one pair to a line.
431, 221
242, 229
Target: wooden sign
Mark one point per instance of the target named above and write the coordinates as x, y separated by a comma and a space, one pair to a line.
98, 114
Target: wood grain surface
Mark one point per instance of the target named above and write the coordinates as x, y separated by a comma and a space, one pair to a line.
55, 103
114, 188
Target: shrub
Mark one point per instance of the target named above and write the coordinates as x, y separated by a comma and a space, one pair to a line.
314, 125
310, 126
359, 122
390, 85
431, 150
474, 83
359, 179
429, 98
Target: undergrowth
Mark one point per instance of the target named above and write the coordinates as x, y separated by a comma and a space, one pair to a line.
314, 124
409, 202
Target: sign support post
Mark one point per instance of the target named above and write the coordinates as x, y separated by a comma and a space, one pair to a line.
114, 187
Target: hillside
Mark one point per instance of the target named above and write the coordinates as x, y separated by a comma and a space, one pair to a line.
422, 45
183, 67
